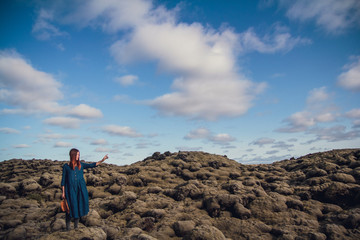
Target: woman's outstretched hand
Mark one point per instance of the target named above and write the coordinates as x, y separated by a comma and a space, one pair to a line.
103, 159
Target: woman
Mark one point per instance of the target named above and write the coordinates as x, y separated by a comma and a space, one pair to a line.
74, 187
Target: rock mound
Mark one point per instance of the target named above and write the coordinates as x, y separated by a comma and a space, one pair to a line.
190, 195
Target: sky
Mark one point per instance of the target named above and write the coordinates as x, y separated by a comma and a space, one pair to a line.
258, 81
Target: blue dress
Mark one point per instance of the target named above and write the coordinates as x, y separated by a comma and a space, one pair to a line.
76, 193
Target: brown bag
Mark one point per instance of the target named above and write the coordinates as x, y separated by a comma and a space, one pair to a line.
64, 206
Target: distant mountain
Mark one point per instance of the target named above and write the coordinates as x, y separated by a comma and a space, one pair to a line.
190, 195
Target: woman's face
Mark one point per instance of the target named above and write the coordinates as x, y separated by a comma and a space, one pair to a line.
77, 156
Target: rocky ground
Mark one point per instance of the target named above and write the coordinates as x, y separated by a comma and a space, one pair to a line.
190, 195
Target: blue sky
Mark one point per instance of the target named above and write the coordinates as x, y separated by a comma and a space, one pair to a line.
258, 81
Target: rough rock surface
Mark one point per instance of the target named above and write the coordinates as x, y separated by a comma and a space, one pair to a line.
190, 195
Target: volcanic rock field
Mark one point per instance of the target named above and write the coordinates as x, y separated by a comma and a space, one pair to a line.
189, 195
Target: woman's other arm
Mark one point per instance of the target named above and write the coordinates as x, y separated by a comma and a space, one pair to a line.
63, 192
63, 182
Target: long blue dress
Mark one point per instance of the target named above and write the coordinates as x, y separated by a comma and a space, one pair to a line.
76, 192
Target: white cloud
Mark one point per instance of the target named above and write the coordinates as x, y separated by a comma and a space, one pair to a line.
21, 146
99, 142
102, 149
222, 138
60, 46
9, 131
350, 79
334, 134
332, 15
146, 144
32, 91
263, 141
122, 98
356, 123
111, 16
318, 110
354, 113
282, 145
298, 122
121, 131
25, 88
63, 144
208, 84
85, 111
204, 133
325, 117
106, 150
199, 133
127, 80
52, 136
202, 58
65, 122
43, 29
186, 148
279, 40
318, 95
272, 152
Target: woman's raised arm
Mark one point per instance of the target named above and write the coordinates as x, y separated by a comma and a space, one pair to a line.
103, 159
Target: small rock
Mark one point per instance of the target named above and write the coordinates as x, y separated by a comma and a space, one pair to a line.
295, 204
155, 189
334, 231
155, 213
182, 228
353, 221
205, 232
343, 177
29, 185
92, 219
114, 189
241, 212
46, 179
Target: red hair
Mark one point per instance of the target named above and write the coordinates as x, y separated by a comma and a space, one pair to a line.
73, 161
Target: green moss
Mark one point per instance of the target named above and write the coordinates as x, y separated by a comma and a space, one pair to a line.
35, 196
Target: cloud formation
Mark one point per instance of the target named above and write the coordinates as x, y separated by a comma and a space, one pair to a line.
43, 29
127, 80
100, 141
263, 141
208, 84
9, 131
279, 39
332, 15
85, 112
123, 131
65, 122
318, 110
25, 88
205, 134
350, 78
21, 146
354, 114
62, 145
334, 134
30, 91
